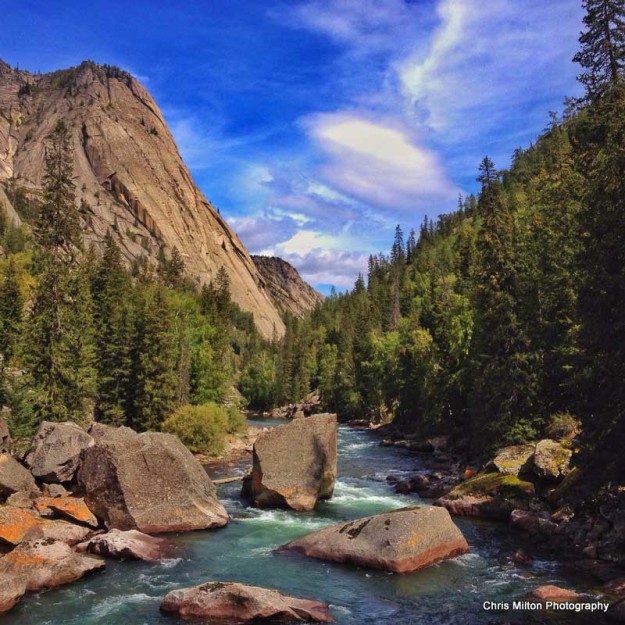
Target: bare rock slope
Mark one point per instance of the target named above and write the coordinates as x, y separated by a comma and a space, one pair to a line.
130, 176
288, 291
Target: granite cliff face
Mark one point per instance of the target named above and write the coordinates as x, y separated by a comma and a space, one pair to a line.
288, 291
129, 174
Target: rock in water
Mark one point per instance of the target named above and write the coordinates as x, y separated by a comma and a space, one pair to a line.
150, 482
56, 451
14, 477
11, 591
233, 603
130, 545
552, 460
553, 593
400, 541
295, 464
46, 563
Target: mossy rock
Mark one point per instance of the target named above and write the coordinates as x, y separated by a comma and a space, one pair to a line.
552, 460
494, 484
512, 460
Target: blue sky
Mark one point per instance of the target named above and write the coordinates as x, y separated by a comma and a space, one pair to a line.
318, 125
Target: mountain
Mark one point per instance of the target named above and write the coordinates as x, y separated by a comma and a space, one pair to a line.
289, 292
129, 174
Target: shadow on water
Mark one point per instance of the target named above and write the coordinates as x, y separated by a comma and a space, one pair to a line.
450, 593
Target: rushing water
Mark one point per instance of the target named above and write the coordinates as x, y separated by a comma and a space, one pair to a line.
129, 593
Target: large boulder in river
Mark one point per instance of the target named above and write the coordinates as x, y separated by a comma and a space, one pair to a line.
219, 602
46, 563
150, 482
295, 464
512, 460
552, 460
14, 477
56, 451
400, 541
129, 545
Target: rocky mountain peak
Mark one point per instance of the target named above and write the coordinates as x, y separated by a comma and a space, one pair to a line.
130, 177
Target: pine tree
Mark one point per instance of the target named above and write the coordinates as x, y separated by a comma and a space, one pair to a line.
502, 399
153, 377
488, 174
602, 222
11, 312
398, 251
113, 332
602, 56
59, 346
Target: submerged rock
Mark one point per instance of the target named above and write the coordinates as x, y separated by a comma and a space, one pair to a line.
46, 563
150, 482
400, 541
552, 460
129, 545
14, 477
234, 603
295, 464
513, 460
56, 451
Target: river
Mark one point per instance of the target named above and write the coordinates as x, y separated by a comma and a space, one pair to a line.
451, 593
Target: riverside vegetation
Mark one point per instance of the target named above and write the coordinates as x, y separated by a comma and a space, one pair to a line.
498, 324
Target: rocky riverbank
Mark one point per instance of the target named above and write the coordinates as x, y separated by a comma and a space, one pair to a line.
532, 488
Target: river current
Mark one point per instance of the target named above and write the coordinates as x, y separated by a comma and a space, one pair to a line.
450, 593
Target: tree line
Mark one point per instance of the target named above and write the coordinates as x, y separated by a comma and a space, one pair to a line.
507, 314
82, 335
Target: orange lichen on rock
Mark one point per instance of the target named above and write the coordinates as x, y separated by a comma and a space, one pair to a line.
17, 525
72, 508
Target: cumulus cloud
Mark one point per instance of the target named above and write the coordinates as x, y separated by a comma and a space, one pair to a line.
263, 234
322, 266
379, 164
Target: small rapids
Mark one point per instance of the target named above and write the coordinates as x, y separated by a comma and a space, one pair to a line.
450, 593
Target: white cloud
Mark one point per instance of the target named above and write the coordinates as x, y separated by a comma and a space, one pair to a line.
323, 266
378, 163
262, 234
487, 61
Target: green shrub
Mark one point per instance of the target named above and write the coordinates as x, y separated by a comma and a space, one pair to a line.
237, 422
563, 426
201, 428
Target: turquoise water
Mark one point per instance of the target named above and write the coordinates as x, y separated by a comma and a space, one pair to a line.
129, 593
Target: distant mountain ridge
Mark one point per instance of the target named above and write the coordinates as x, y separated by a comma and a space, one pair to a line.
288, 290
129, 175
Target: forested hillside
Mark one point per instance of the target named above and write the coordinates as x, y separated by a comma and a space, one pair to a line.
82, 336
504, 317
